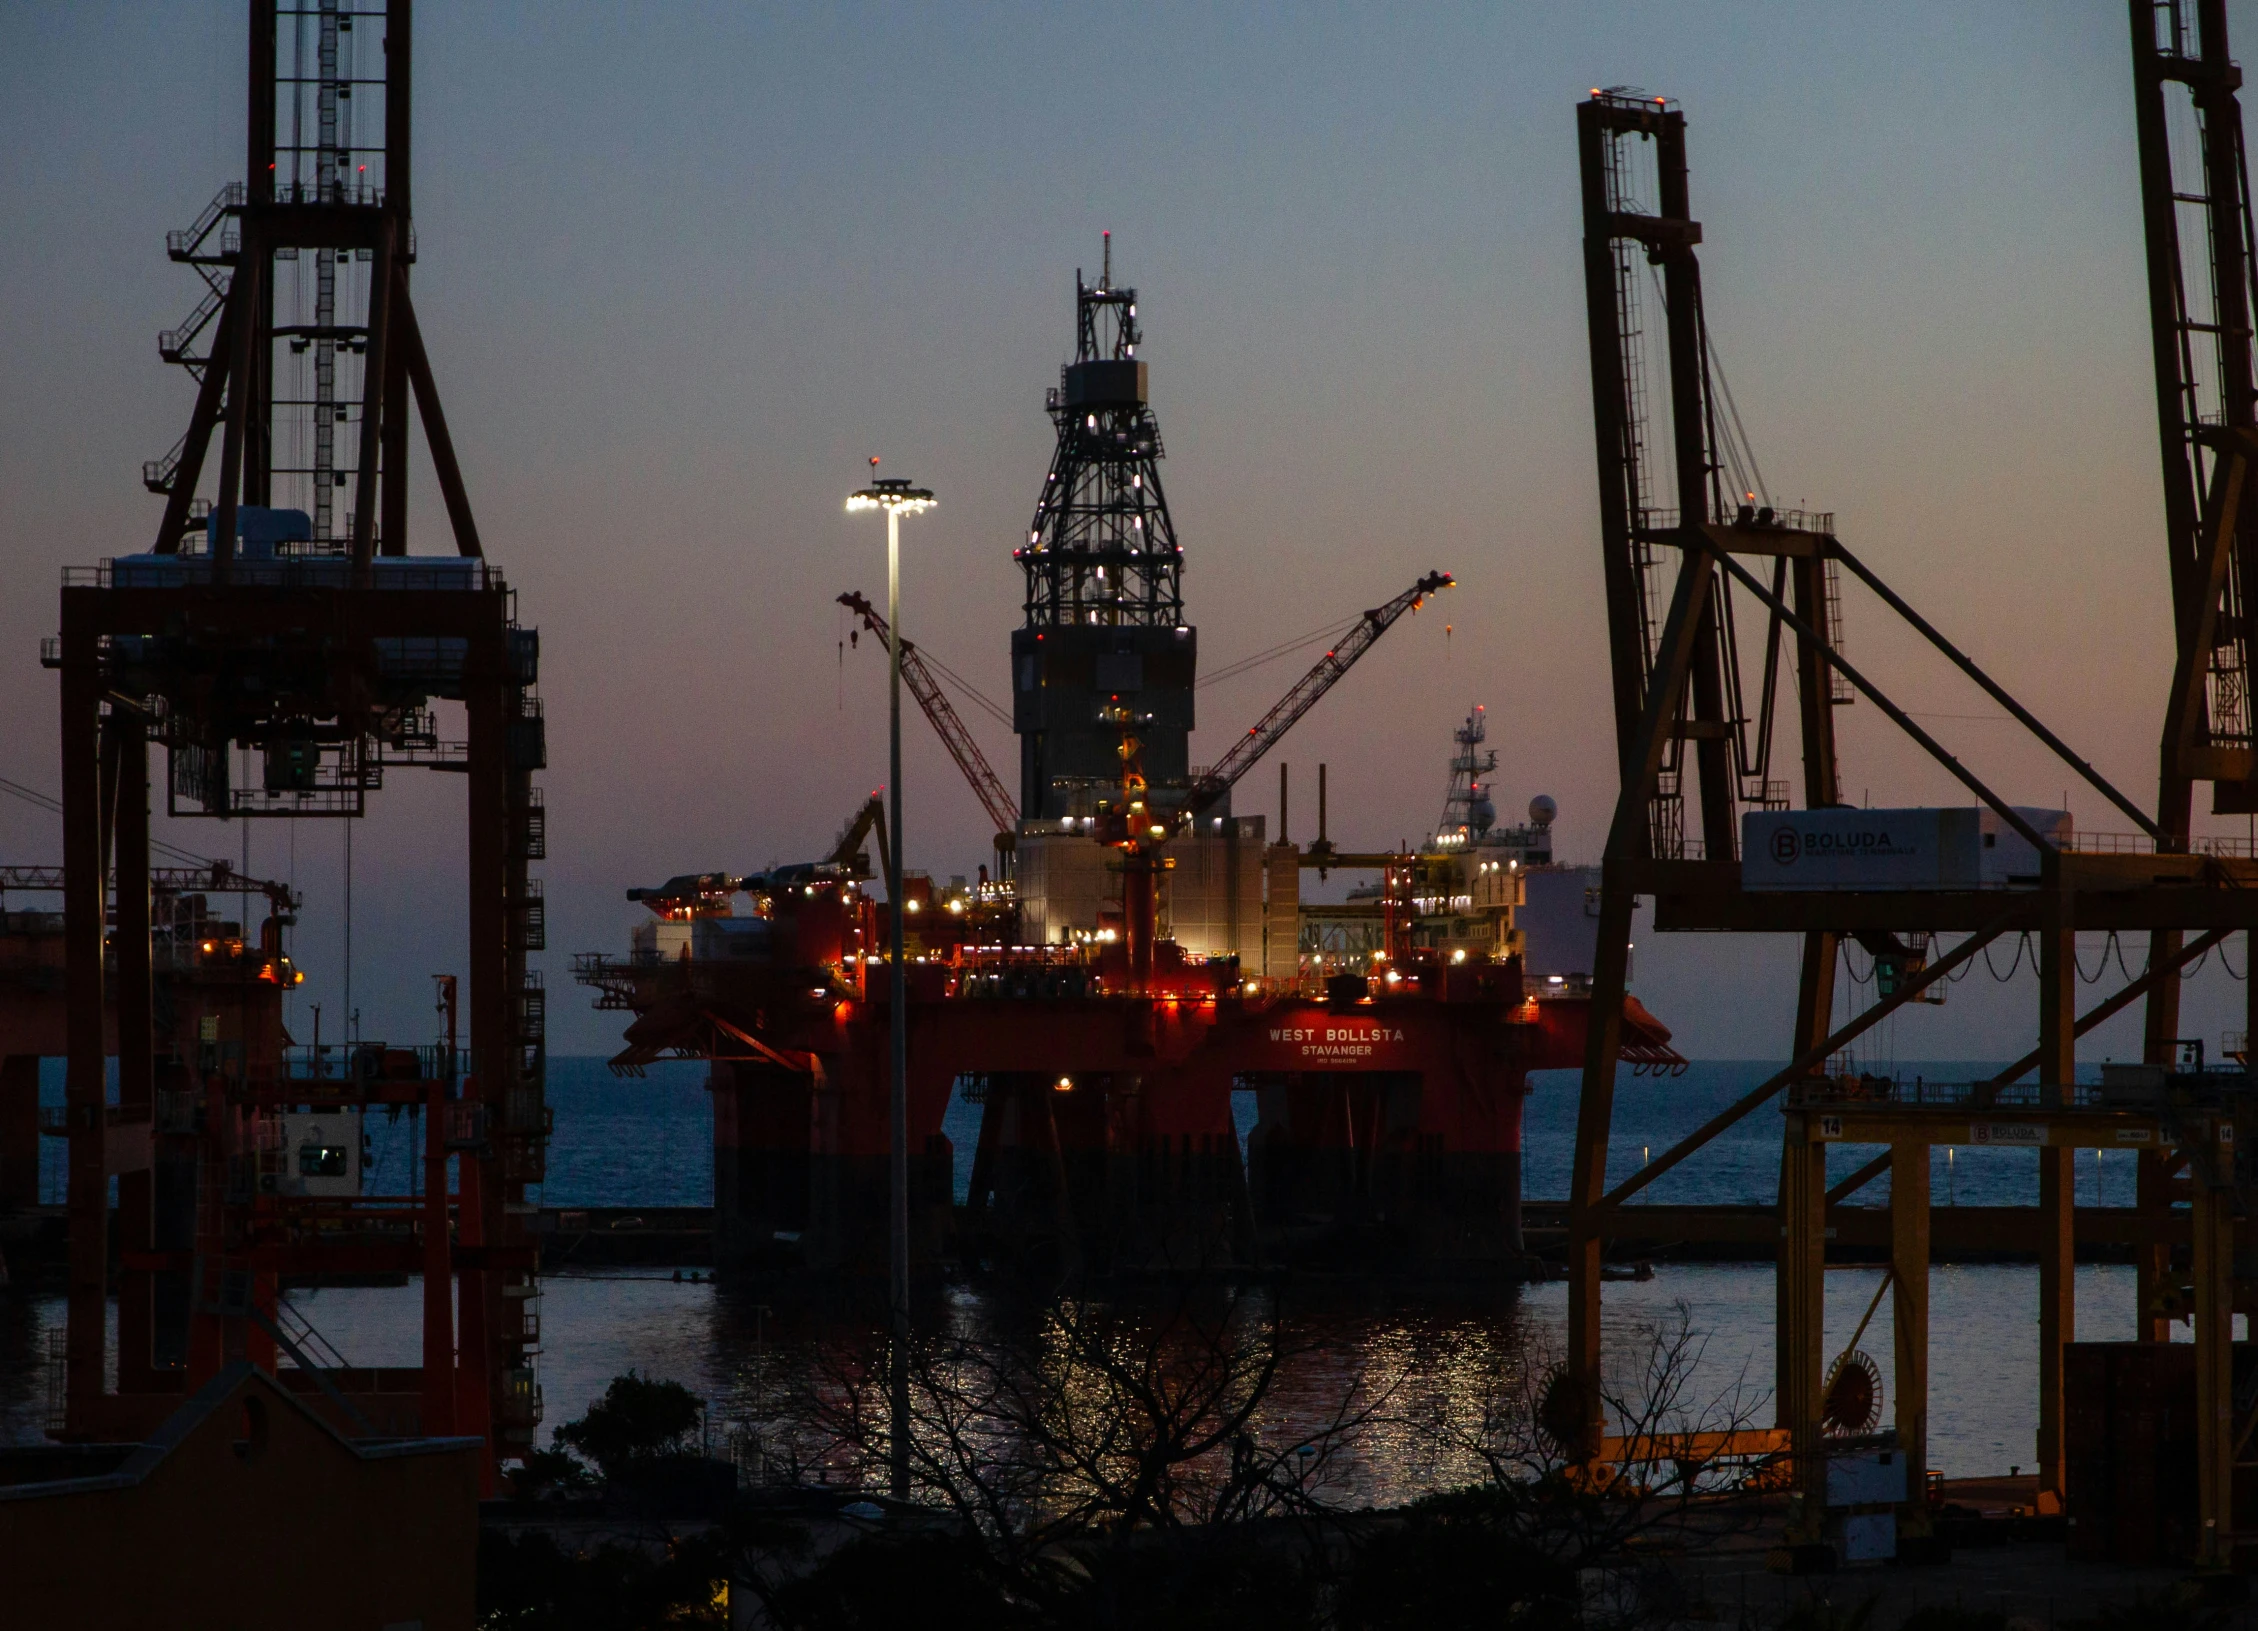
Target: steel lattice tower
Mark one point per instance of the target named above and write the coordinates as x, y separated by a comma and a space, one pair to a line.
1102, 549
1105, 599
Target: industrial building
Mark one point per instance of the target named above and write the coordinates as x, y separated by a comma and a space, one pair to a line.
243, 1509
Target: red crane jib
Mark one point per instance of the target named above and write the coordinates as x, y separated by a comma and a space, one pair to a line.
987, 786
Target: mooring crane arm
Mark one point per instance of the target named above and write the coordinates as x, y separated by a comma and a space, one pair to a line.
987, 787
871, 818
1307, 691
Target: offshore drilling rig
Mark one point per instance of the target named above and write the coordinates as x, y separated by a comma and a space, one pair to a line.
1140, 952
277, 620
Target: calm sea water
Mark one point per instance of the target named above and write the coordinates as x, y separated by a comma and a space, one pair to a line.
649, 1143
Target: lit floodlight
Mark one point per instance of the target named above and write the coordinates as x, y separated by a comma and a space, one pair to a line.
897, 497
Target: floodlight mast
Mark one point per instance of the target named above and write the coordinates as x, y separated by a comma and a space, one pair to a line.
897, 498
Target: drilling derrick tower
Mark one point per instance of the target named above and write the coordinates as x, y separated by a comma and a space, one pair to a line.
1104, 619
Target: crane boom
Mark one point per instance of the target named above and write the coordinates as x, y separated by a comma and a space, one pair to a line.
987, 787
1307, 691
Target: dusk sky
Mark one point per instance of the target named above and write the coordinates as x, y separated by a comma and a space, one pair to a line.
683, 267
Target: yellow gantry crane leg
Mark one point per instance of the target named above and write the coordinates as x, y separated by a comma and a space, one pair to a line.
1803, 1208
2057, 1259
1909, 1318
2213, 1262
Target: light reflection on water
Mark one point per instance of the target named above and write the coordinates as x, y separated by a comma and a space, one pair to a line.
726, 1347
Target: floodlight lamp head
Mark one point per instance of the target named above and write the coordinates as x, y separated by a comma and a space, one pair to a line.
893, 495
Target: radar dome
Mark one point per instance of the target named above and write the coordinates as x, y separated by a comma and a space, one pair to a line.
1542, 810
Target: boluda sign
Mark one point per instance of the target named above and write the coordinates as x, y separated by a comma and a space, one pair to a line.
1316, 1040
2027, 1134
1935, 848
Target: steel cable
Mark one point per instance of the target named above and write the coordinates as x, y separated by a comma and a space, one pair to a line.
2022, 941
1330, 632
2122, 968
54, 806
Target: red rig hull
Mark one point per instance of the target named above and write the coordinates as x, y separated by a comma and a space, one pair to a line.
1387, 1115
